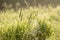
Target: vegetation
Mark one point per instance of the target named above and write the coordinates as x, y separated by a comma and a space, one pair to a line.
30, 24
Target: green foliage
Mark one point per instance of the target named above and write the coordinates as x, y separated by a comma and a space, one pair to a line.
29, 24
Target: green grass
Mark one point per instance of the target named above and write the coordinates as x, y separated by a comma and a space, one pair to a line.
30, 24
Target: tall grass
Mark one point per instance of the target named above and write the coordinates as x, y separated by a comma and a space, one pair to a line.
30, 24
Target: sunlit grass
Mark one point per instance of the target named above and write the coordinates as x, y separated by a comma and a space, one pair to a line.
30, 24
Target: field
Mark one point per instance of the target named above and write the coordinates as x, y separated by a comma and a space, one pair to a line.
34, 23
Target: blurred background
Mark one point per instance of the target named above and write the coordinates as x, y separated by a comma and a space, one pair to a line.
16, 4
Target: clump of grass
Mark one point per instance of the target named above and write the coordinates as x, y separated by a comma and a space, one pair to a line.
29, 24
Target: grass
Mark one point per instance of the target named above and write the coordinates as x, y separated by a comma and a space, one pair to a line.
30, 24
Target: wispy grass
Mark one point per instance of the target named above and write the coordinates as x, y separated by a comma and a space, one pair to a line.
30, 24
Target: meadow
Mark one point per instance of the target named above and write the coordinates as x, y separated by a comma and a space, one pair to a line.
34, 23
